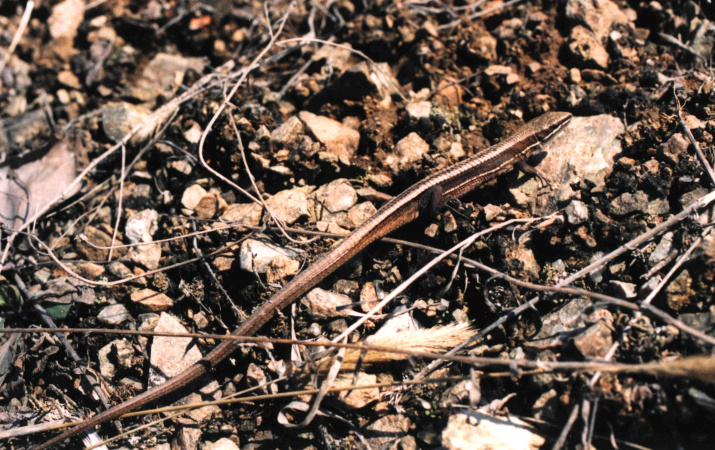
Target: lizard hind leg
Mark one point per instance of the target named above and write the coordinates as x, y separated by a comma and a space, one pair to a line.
432, 201
543, 180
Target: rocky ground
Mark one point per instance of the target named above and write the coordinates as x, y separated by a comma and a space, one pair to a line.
161, 143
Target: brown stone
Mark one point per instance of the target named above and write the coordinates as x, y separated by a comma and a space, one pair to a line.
151, 300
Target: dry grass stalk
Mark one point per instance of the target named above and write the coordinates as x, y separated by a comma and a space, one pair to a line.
436, 339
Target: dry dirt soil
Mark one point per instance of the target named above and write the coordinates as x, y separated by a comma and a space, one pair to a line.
187, 113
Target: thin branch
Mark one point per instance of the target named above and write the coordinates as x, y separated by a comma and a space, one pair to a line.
244, 73
211, 273
122, 174
697, 367
703, 160
74, 274
685, 257
29, 6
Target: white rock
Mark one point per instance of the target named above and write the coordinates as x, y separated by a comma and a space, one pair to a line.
359, 213
584, 151
261, 255
238, 214
163, 75
256, 376
336, 196
180, 166
456, 150
407, 152
170, 355
148, 256
324, 304
496, 69
141, 225
663, 249
587, 49
289, 131
576, 212
491, 212
290, 205
598, 15
65, 19
464, 429
419, 110
333, 201
221, 444
192, 196
357, 398
186, 438
114, 314
623, 289
120, 118
339, 140
193, 133
387, 430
